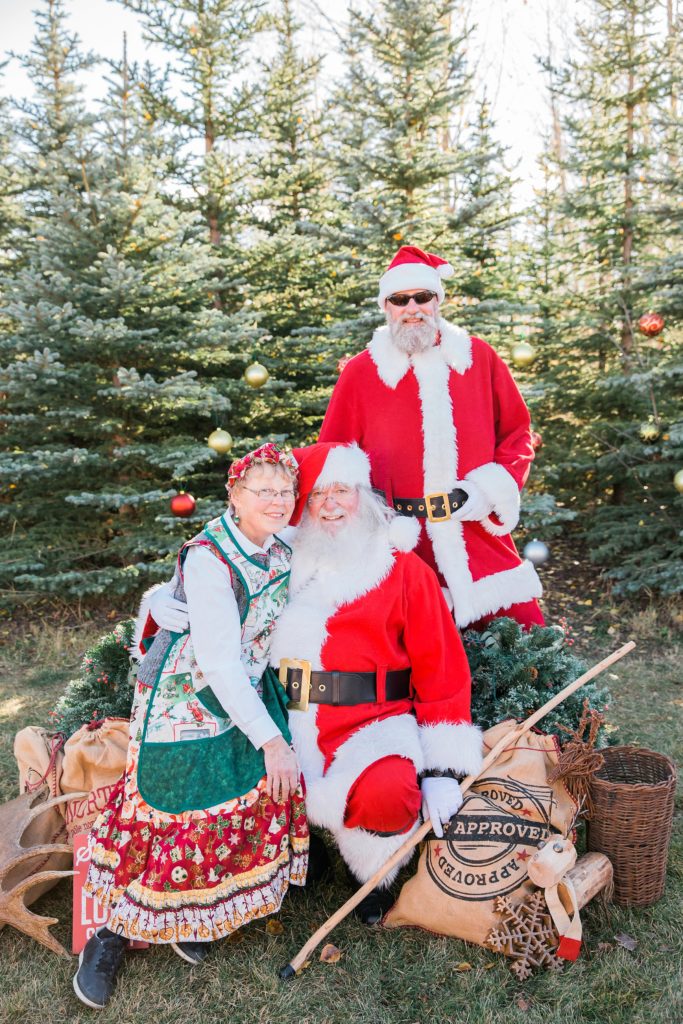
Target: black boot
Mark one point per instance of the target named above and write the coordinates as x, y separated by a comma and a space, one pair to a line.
191, 952
374, 906
98, 965
319, 864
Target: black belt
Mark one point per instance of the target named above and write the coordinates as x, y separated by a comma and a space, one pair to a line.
341, 689
435, 507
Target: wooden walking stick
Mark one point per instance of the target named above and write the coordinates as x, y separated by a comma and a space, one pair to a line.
290, 970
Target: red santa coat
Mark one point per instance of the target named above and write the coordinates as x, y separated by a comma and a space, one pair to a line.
385, 613
450, 414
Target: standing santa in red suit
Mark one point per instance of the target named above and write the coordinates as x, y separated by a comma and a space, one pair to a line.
373, 662
448, 437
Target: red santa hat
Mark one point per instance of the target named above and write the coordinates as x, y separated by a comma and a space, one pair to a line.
413, 268
328, 462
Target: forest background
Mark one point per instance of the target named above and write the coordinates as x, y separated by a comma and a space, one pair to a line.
237, 204
231, 198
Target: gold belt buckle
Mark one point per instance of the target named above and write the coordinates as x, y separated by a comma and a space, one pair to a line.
304, 685
429, 498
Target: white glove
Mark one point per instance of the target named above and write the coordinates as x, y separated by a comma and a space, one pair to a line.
167, 612
441, 799
477, 506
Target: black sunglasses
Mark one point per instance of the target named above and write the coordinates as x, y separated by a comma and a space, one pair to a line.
421, 298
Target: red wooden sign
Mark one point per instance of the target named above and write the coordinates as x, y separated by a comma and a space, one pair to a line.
88, 915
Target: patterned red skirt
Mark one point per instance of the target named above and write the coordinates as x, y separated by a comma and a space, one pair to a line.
199, 875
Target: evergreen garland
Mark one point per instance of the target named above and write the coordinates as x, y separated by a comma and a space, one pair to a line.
105, 687
516, 672
513, 673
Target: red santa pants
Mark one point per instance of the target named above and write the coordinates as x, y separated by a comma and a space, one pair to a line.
385, 798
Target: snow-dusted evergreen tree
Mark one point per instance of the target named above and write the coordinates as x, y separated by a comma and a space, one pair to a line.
291, 225
416, 157
113, 363
609, 394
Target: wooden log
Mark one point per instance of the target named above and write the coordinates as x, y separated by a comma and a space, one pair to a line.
590, 875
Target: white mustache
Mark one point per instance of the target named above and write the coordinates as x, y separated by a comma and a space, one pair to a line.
415, 316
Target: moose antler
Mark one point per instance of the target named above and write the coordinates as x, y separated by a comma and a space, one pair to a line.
15, 881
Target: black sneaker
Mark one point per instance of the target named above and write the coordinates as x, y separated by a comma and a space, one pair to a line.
192, 952
98, 965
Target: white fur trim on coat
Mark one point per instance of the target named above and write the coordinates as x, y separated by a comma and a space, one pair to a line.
502, 491
404, 533
455, 747
326, 795
135, 650
365, 852
472, 598
345, 464
455, 351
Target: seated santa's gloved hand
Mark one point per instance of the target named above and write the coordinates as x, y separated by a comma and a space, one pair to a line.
167, 611
441, 799
477, 506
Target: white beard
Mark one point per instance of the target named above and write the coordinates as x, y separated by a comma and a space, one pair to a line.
317, 552
412, 338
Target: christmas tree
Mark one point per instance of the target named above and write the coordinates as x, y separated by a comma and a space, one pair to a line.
291, 220
605, 390
418, 163
115, 355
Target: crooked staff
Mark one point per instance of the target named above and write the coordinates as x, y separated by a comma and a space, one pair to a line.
294, 966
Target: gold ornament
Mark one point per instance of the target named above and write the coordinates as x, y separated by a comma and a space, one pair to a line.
256, 375
649, 431
678, 481
220, 440
523, 354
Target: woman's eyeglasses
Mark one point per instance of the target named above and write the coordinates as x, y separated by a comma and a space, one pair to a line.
268, 494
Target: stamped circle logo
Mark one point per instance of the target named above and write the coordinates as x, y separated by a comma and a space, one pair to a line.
484, 851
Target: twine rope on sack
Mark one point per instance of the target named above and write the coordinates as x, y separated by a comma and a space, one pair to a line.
579, 760
56, 744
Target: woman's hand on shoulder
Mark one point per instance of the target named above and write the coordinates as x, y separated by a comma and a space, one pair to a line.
282, 770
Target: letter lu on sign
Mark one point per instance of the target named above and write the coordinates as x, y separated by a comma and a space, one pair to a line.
88, 915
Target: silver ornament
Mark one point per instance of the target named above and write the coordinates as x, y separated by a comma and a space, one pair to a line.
537, 552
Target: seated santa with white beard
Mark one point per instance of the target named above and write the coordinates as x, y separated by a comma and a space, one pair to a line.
369, 652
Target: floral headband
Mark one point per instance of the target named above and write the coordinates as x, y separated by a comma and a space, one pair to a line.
268, 452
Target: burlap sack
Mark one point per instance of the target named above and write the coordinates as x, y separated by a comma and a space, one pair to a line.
94, 761
485, 850
40, 758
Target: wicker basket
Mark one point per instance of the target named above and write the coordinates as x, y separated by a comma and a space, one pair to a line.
633, 797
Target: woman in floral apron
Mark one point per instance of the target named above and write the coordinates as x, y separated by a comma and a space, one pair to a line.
207, 827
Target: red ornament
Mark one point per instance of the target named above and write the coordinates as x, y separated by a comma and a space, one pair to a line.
342, 363
651, 324
536, 440
182, 505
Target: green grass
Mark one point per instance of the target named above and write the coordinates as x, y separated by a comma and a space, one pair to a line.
392, 977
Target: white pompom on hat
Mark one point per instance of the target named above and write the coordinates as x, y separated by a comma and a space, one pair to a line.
413, 268
404, 533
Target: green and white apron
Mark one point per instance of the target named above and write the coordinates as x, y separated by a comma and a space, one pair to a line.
192, 755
